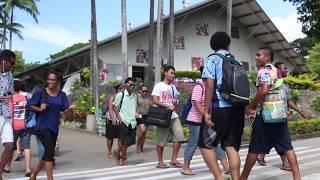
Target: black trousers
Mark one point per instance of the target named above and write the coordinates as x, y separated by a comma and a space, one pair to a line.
48, 139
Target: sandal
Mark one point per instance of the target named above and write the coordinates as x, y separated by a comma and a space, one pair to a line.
28, 174
6, 170
285, 168
18, 157
262, 162
162, 166
176, 164
187, 173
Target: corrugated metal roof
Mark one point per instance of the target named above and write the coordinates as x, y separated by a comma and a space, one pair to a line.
247, 12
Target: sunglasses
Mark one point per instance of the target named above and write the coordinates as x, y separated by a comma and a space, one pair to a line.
145, 91
132, 85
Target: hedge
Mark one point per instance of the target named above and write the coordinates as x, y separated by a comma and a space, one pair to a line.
188, 74
296, 127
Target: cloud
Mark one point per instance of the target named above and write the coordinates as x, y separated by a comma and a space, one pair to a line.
289, 26
53, 34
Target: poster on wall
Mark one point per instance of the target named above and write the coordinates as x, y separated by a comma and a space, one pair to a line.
202, 29
179, 42
196, 63
141, 56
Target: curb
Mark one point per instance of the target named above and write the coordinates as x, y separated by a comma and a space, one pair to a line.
244, 144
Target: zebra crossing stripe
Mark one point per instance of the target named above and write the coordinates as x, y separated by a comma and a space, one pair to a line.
148, 169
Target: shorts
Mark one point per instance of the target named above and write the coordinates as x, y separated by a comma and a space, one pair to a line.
6, 131
25, 138
142, 120
221, 154
265, 136
175, 129
112, 131
127, 134
228, 124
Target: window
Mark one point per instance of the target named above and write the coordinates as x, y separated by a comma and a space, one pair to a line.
245, 65
235, 32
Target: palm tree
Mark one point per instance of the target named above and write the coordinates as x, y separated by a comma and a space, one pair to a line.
159, 42
29, 6
149, 72
124, 39
94, 58
171, 34
12, 27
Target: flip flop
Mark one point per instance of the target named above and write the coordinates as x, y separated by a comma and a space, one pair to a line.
176, 164
262, 162
18, 157
285, 168
164, 166
6, 170
187, 173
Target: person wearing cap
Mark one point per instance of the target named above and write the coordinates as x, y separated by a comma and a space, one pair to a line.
112, 122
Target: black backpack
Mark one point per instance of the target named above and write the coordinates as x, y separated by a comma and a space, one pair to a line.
235, 86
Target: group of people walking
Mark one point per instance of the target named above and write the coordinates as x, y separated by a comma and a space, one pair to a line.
215, 122
23, 115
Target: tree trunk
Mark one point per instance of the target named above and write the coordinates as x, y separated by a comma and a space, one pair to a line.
4, 37
124, 40
11, 21
94, 58
149, 69
229, 17
171, 34
159, 42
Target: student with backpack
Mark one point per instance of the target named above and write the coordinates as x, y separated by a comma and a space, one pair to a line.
18, 109
226, 94
48, 102
269, 108
126, 103
193, 120
112, 122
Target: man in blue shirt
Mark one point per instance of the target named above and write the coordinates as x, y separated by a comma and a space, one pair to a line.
224, 118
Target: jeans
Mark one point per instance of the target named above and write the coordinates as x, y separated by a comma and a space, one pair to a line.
194, 131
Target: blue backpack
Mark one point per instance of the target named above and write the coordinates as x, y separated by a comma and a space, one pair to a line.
31, 117
187, 107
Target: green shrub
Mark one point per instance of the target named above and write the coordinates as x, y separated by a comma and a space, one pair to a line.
304, 81
295, 95
188, 74
252, 75
304, 126
297, 127
316, 104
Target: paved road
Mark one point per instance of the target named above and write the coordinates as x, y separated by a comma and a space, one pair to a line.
82, 157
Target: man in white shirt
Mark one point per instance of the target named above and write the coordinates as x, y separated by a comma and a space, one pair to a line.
165, 95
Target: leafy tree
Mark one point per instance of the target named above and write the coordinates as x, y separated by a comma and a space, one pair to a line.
308, 11
302, 46
21, 64
314, 59
68, 50
29, 6
7, 15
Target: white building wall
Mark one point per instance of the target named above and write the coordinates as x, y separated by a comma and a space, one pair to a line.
195, 45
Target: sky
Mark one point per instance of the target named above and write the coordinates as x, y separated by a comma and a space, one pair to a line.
66, 22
